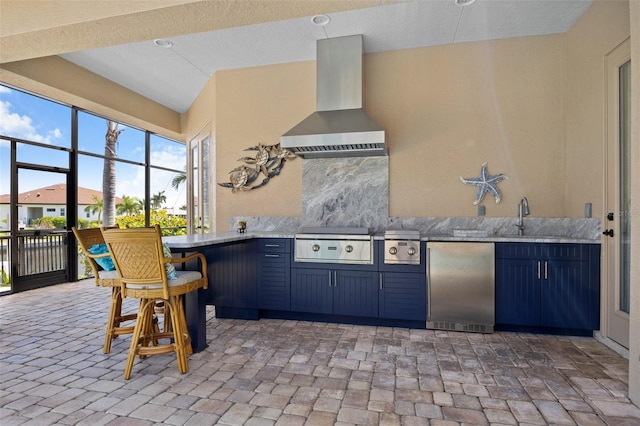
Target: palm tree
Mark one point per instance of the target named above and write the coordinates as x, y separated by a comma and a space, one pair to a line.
109, 173
157, 200
128, 206
178, 180
141, 205
96, 207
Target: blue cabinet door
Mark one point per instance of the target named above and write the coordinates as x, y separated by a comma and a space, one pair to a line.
565, 295
403, 296
517, 292
273, 272
355, 293
311, 290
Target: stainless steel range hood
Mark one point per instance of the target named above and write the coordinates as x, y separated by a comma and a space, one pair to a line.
339, 127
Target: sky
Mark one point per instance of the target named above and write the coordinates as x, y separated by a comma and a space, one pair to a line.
28, 117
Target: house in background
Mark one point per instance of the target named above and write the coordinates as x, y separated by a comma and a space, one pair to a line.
49, 201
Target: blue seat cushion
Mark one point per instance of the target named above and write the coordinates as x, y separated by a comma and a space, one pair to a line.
106, 262
171, 270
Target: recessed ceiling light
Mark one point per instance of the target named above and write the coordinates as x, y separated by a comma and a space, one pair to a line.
464, 2
160, 42
320, 20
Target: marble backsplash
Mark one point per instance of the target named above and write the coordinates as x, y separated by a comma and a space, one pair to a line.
354, 192
346, 191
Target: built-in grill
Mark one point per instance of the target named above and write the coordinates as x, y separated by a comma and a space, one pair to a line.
334, 245
402, 246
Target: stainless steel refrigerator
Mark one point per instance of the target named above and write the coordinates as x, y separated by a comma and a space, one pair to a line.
461, 286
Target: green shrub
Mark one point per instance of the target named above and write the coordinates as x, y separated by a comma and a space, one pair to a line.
171, 225
60, 222
45, 222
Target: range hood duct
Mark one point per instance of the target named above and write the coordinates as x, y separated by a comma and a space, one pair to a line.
339, 127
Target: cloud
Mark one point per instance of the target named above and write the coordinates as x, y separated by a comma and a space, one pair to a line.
170, 157
130, 180
21, 126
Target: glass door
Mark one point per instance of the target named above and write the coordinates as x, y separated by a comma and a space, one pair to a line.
200, 213
617, 221
39, 246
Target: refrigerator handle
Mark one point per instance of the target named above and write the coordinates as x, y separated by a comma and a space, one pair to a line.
428, 262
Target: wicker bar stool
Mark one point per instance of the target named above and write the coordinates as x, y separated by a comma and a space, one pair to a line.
88, 238
143, 267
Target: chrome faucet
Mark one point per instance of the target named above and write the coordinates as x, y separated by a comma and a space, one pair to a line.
523, 210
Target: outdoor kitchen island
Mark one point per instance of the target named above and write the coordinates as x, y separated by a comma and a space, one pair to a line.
253, 275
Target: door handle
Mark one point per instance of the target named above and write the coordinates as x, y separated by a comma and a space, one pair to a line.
546, 270
608, 232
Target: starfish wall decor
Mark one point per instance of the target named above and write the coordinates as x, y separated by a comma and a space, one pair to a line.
485, 183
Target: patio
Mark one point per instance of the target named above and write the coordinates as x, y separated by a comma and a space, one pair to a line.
269, 372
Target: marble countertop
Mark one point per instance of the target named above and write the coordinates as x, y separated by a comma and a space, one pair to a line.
513, 239
203, 240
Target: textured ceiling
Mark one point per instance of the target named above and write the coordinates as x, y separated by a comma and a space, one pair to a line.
236, 34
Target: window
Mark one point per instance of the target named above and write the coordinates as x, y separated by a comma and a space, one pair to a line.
92, 130
34, 118
149, 170
138, 201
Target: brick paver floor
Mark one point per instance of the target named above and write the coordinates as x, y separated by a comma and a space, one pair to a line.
273, 372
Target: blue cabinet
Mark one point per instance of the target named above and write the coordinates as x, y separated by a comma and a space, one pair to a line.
233, 284
355, 293
311, 290
517, 292
402, 296
565, 294
402, 288
274, 263
548, 285
334, 291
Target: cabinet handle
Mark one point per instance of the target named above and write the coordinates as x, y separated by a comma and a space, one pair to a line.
381, 285
272, 245
329, 278
538, 269
428, 261
335, 278
546, 270
271, 255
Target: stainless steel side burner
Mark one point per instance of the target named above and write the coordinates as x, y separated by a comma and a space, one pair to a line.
334, 245
402, 246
